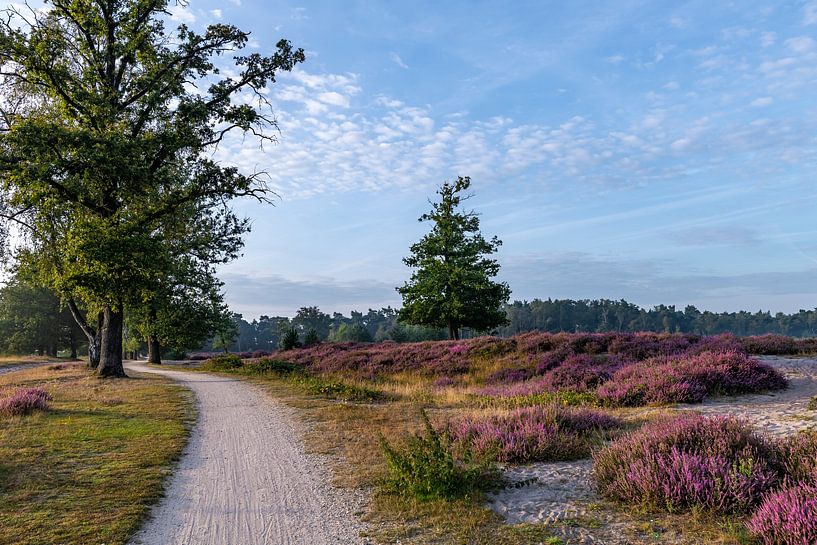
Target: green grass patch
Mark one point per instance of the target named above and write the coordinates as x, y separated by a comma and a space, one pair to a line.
88, 470
563, 397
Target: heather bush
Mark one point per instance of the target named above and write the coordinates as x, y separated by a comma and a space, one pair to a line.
798, 455
25, 401
770, 344
688, 379
580, 373
812, 404
428, 468
715, 464
787, 517
259, 354
509, 375
223, 362
550, 360
533, 434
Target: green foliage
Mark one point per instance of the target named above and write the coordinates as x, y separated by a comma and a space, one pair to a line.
269, 365
451, 286
562, 397
224, 362
335, 389
427, 468
290, 340
106, 146
311, 338
812, 404
351, 333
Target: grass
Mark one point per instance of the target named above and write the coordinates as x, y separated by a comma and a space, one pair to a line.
8, 361
87, 470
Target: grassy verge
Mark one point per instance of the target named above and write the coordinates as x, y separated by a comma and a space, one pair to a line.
87, 470
8, 361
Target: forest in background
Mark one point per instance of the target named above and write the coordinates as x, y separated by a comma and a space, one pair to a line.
551, 315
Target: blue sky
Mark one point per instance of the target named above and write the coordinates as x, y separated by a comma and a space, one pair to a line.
662, 152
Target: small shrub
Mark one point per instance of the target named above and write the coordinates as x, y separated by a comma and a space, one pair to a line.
25, 401
311, 338
509, 375
337, 390
787, 517
533, 434
426, 468
579, 373
259, 354
289, 340
812, 404
798, 454
268, 365
224, 362
715, 464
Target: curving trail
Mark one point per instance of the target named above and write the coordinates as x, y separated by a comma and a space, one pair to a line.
244, 478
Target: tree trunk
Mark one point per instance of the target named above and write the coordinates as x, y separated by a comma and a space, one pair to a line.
73, 344
94, 335
453, 332
154, 350
110, 360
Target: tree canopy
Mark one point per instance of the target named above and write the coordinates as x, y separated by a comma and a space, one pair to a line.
107, 124
452, 284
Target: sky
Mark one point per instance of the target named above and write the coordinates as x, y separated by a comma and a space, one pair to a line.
660, 152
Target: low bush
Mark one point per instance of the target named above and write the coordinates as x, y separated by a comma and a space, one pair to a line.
25, 401
335, 389
688, 379
426, 468
269, 365
579, 373
224, 362
787, 517
714, 464
798, 455
812, 404
533, 434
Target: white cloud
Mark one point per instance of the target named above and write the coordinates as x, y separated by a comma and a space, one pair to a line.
334, 99
801, 44
182, 14
767, 39
615, 59
810, 13
216, 13
396, 59
678, 22
762, 101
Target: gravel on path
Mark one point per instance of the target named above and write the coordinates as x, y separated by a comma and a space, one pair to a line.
244, 478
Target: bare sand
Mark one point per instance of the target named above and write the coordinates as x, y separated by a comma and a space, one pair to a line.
244, 478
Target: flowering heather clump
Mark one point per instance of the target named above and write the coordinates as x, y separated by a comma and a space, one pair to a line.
580, 373
509, 375
787, 517
717, 464
770, 344
798, 454
457, 349
717, 343
688, 379
25, 401
550, 360
530, 434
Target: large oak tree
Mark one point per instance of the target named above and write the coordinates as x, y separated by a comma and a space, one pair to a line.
107, 124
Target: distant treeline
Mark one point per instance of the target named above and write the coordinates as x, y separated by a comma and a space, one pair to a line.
555, 315
551, 315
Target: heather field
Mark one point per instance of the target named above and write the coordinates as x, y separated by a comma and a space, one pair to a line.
572, 438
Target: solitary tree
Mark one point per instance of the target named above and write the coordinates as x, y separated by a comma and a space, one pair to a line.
107, 127
452, 285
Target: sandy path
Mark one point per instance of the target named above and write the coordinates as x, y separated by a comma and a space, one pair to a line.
244, 478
